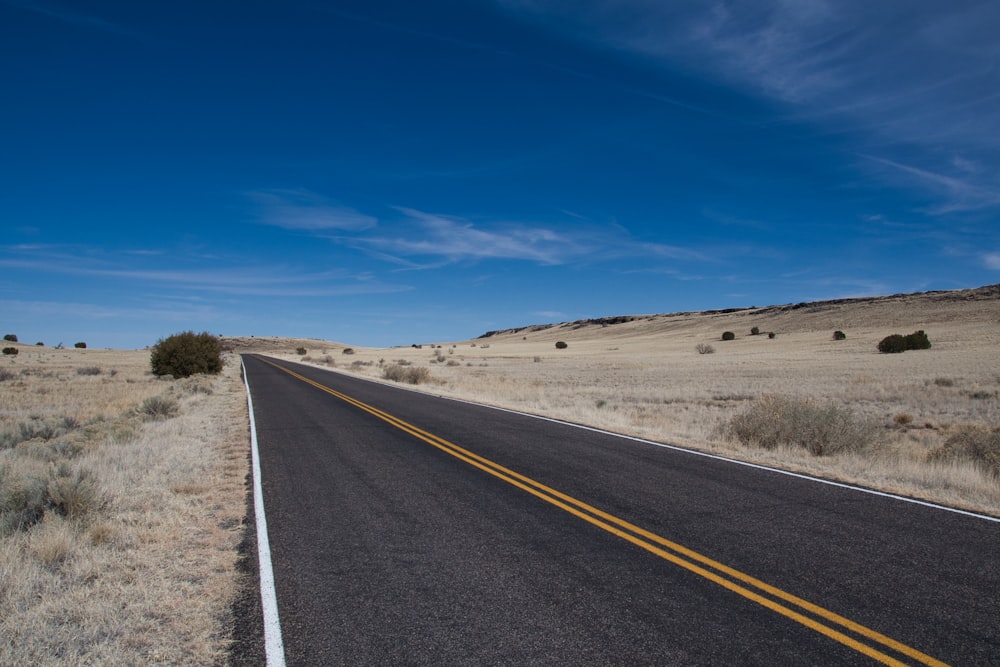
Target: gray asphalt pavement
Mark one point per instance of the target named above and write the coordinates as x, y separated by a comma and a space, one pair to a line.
394, 544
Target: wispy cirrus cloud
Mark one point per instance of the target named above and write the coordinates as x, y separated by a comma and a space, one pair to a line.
261, 280
307, 211
67, 15
455, 239
916, 83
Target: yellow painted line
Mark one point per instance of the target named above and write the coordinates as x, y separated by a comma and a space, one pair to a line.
649, 541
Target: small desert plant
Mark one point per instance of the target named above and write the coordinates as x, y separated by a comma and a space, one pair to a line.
704, 348
839, 335
10, 350
754, 331
896, 343
80, 346
159, 407
977, 444
902, 419
944, 382
301, 351
88, 370
10, 338
771, 334
73, 493
772, 421
561, 345
409, 374
728, 335
23, 499
348, 350
187, 353
6, 375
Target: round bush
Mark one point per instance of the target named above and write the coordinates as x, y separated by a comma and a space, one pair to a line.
728, 335
10, 338
561, 345
80, 346
839, 335
892, 344
10, 350
187, 353
917, 340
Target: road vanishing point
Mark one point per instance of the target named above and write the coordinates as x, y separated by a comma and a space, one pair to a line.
409, 529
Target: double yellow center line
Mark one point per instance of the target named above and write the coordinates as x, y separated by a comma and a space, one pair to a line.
795, 608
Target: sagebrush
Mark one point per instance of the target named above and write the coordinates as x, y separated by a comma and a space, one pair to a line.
773, 421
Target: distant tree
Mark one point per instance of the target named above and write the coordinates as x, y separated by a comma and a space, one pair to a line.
561, 345
10, 350
728, 335
80, 346
10, 338
896, 343
186, 354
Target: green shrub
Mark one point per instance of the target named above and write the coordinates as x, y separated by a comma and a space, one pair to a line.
301, 351
728, 335
897, 343
10, 338
754, 331
976, 444
187, 353
839, 335
918, 340
10, 351
348, 350
561, 345
80, 346
39, 344
773, 421
771, 334
892, 344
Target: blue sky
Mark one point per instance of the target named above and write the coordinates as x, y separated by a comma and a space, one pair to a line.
387, 173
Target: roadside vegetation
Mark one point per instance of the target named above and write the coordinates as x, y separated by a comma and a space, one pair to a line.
121, 506
797, 398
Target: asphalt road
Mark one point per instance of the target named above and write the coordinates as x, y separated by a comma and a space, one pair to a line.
407, 529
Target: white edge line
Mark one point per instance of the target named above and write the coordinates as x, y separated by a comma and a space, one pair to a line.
274, 647
676, 448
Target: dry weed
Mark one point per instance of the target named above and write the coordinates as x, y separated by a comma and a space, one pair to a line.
119, 535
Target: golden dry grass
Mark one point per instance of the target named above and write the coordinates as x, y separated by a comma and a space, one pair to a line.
643, 377
147, 573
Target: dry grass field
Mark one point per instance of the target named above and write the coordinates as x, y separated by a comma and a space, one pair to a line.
642, 376
122, 498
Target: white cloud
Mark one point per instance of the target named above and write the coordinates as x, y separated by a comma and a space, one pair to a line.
454, 239
258, 280
913, 82
992, 260
307, 211
459, 239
